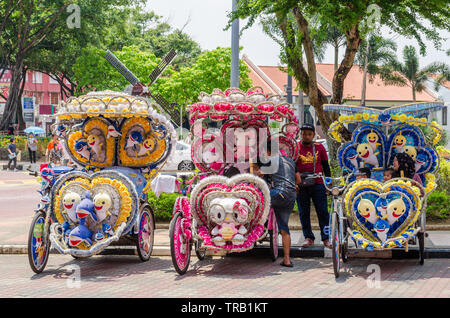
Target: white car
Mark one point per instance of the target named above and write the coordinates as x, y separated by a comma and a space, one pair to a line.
180, 158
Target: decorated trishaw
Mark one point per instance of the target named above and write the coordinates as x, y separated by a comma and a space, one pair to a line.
227, 213
380, 214
117, 143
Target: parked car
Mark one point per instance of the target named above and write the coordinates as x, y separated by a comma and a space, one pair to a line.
180, 158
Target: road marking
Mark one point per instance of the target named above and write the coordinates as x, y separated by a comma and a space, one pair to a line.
10, 183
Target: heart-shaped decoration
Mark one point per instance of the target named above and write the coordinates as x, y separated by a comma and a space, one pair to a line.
382, 211
90, 143
366, 149
241, 200
144, 142
99, 203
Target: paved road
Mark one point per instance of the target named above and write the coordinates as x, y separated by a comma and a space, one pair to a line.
18, 199
237, 276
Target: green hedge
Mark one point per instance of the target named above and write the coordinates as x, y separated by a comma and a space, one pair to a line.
162, 206
438, 205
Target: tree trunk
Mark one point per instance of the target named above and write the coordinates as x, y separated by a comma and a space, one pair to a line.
364, 83
336, 55
353, 41
414, 92
11, 112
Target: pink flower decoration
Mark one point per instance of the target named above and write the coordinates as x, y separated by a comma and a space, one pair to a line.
245, 108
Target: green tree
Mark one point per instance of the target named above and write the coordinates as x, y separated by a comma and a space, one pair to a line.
294, 21
372, 55
25, 25
92, 71
409, 73
211, 70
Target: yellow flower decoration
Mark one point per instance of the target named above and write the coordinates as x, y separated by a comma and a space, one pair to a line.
366, 116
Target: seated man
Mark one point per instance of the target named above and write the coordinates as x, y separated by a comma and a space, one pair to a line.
283, 179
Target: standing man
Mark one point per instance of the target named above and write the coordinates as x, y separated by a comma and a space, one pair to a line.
282, 182
312, 158
12, 153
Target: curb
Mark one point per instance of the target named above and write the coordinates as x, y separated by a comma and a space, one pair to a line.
264, 251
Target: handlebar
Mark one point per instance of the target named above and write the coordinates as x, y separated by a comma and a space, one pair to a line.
328, 181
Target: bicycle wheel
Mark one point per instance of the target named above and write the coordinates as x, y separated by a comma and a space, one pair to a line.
344, 245
146, 235
335, 245
180, 248
421, 238
273, 236
38, 248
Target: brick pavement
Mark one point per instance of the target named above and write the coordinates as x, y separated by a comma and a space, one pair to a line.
241, 276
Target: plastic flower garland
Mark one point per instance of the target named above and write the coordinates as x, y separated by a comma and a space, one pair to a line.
333, 130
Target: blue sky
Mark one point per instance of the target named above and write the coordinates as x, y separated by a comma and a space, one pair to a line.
207, 18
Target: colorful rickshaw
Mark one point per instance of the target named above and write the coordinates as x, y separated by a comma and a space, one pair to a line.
378, 214
119, 143
224, 213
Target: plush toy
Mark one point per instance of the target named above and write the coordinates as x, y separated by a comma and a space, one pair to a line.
80, 234
367, 155
61, 131
148, 145
43, 205
81, 147
112, 132
352, 156
381, 207
421, 160
102, 204
95, 144
381, 228
395, 209
86, 208
399, 143
372, 139
70, 203
229, 215
134, 139
367, 210
411, 151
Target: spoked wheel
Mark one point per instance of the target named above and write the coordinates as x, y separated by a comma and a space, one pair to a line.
200, 253
180, 248
38, 248
344, 246
421, 239
146, 234
335, 246
273, 235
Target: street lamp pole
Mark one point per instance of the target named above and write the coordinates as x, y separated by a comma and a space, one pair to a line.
234, 80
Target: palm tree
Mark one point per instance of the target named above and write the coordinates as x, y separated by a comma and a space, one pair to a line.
409, 74
372, 55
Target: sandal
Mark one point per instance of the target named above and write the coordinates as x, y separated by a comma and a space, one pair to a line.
286, 265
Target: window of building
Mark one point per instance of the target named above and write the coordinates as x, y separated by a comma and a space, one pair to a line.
52, 81
444, 116
37, 77
38, 97
54, 98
